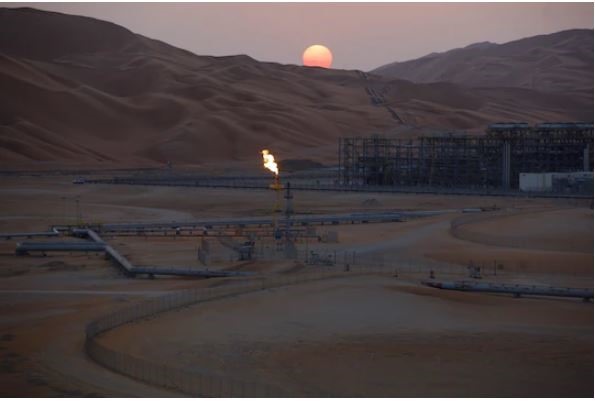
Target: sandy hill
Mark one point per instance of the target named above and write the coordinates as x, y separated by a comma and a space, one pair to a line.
561, 61
76, 90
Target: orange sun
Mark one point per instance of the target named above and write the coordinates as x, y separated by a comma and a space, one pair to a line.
317, 56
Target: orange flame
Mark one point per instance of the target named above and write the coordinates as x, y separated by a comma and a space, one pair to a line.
269, 162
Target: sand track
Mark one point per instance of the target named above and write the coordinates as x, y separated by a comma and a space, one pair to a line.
540, 229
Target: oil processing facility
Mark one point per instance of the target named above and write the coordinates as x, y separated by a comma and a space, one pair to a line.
494, 160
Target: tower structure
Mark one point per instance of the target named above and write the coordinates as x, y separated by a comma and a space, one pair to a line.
290, 249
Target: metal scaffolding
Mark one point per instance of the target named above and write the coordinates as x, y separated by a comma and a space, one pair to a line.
494, 160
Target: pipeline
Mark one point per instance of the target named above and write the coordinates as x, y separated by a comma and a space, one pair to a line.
181, 271
515, 289
52, 233
23, 248
129, 270
297, 220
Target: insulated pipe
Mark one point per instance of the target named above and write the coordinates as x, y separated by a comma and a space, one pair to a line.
515, 289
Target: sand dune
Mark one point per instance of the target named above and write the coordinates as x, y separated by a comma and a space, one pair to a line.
561, 61
81, 91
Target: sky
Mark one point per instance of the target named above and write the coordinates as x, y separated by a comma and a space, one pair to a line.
360, 35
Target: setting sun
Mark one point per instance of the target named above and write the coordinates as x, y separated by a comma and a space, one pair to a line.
317, 56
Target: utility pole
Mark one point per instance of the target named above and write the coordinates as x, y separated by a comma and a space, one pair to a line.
290, 250
78, 216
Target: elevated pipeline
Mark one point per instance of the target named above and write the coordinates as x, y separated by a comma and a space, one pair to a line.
98, 245
515, 289
52, 233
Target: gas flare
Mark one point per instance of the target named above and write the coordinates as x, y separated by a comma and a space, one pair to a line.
269, 162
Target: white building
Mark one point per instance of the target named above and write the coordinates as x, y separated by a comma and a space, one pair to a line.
581, 181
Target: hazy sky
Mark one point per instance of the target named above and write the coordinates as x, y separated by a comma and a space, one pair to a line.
360, 35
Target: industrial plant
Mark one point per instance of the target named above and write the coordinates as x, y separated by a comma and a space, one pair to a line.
501, 159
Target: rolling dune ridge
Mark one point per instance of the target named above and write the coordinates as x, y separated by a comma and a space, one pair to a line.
78, 91
561, 61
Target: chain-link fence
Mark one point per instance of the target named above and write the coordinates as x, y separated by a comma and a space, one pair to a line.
185, 381
196, 383
199, 384
330, 258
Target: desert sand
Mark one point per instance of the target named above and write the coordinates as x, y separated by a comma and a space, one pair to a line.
372, 336
396, 330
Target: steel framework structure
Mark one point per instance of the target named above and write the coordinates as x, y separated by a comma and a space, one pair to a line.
494, 160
